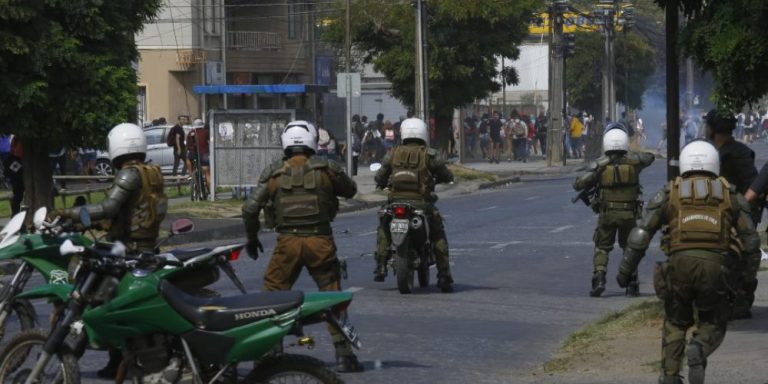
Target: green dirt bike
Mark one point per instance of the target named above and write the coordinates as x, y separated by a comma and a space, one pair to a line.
35, 251
166, 335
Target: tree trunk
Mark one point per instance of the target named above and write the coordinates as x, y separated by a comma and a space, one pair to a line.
38, 179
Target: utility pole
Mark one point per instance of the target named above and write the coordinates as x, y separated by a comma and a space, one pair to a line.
673, 95
348, 65
420, 101
504, 91
555, 134
606, 10
689, 84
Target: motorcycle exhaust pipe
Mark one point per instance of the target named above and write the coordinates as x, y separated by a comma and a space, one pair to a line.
416, 222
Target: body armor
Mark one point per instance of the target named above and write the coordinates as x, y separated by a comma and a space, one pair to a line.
304, 201
410, 178
620, 182
145, 210
701, 215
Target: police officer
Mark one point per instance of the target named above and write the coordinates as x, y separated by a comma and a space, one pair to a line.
411, 171
616, 177
737, 166
706, 229
299, 196
135, 205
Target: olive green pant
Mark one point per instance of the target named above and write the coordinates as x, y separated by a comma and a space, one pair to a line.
698, 283
318, 255
436, 237
611, 223
745, 284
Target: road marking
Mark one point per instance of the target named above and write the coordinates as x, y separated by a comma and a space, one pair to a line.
502, 245
354, 289
367, 233
533, 198
488, 208
560, 229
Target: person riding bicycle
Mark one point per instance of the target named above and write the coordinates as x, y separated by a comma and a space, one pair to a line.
411, 171
135, 206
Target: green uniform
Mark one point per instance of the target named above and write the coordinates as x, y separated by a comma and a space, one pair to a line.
737, 165
411, 171
617, 178
707, 228
135, 206
299, 197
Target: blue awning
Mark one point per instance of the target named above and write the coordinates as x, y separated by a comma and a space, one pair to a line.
264, 88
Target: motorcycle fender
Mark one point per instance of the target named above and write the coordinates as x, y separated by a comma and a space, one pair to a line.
53, 292
317, 302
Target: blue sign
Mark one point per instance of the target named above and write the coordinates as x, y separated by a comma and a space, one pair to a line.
323, 70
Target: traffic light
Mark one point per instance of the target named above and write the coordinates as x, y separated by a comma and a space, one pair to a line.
570, 44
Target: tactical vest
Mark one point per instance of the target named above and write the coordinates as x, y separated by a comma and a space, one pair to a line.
620, 182
303, 202
145, 210
410, 175
701, 215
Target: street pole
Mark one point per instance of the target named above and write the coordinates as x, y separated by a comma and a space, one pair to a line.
424, 61
689, 84
224, 47
504, 91
673, 95
419, 97
555, 136
348, 43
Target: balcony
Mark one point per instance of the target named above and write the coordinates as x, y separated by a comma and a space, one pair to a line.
253, 41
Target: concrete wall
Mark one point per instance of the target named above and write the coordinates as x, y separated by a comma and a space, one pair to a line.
169, 90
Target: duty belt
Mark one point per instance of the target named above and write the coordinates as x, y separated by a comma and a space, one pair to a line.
629, 206
308, 230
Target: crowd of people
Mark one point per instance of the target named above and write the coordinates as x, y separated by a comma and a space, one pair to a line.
493, 137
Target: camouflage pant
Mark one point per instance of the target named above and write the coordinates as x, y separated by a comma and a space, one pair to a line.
318, 255
745, 284
611, 223
697, 281
436, 237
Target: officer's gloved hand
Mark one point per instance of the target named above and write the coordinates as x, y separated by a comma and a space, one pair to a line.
253, 247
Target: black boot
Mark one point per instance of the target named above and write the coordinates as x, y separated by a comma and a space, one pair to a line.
633, 289
598, 284
348, 364
445, 283
380, 272
110, 371
697, 363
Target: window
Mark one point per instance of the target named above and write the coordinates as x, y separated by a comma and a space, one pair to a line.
155, 136
141, 105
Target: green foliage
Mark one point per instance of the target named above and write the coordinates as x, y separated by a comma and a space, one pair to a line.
65, 67
464, 39
728, 39
633, 57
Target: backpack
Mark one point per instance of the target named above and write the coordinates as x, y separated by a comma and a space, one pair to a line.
518, 129
171, 138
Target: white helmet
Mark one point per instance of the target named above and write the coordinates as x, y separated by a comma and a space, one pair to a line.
615, 140
299, 133
413, 129
700, 155
126, 139
197, 123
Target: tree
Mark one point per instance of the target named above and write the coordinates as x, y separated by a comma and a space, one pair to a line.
465, 38
727, 39
634, 57
66, 76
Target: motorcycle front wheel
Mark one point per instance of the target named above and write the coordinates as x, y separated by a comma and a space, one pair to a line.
20, 356
403, 269
24, 313
287, 369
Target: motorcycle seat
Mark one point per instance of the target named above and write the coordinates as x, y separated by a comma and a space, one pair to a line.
186, 254
222, 313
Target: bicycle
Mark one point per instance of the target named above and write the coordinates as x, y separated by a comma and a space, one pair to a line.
197, 185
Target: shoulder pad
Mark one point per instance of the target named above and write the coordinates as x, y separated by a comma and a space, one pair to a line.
335, 167
273, 169
128, 179
317, 162
431, 152
592, 166
602, 161
731, 187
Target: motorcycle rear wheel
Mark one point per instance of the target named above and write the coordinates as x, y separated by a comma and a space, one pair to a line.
21, 354
403, 269
288, 368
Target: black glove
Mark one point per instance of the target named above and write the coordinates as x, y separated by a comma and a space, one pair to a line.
253, 247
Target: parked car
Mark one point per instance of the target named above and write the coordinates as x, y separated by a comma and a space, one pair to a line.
158, 152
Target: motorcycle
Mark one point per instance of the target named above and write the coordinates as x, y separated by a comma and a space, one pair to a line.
36, 251
168, 336
411, 248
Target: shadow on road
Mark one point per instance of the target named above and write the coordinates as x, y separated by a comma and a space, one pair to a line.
756, 324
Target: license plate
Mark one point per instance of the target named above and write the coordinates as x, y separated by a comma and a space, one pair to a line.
398, 226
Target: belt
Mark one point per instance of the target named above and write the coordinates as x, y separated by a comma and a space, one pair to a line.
306, 230
622, 206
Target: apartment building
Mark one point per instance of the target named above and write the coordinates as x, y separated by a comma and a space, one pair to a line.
235, 42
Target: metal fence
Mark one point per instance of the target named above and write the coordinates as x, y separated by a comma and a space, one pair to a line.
243, 143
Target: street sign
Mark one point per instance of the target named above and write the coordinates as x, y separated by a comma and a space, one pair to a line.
341, 84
